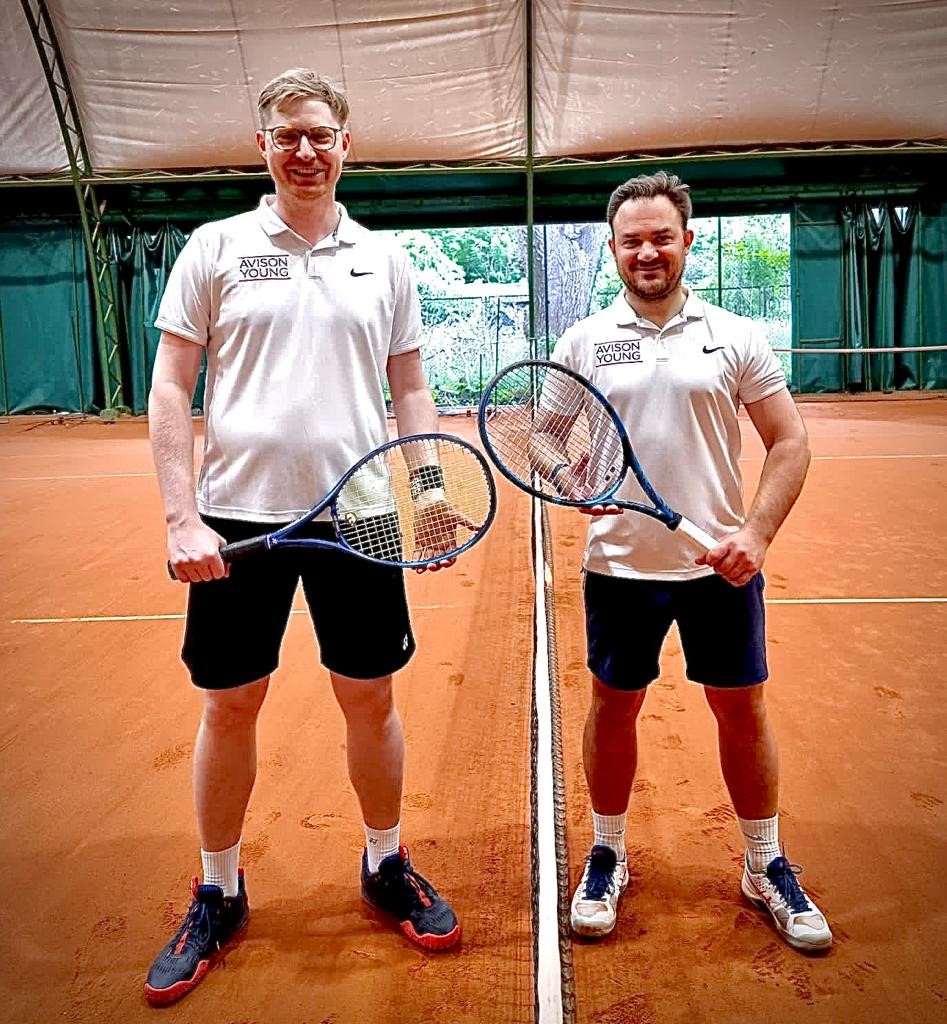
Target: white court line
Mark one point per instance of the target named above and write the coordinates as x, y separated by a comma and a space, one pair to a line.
434, 607
857, 600
548, 967
162, 618
851, 458
31, 455
79, 476
94, 618
748, 458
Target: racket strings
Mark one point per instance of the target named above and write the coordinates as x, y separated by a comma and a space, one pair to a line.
415, 502
545, 422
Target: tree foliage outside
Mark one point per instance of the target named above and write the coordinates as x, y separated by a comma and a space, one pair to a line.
474, 306
435, 271
474, 301
739, 263
490, 255
566, 259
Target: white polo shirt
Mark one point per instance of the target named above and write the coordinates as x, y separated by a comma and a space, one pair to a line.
297, 340
677, 389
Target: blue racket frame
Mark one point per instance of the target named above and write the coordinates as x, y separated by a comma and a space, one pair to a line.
282, 538
659, 510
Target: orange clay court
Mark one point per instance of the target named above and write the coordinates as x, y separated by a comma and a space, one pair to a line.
98, 723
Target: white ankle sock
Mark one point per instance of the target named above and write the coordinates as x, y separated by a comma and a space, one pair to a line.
381, 843
762, 841
610, 831
220, 868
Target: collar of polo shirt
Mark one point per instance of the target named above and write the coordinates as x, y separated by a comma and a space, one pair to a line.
627, 316
345, 234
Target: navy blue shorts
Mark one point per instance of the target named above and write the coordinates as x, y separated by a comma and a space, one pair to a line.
722, 628
235, 626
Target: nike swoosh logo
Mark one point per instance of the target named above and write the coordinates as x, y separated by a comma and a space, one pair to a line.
360, 273
707, 350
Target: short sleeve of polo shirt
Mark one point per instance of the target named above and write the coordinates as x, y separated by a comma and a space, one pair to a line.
564, 351
406, 311
185, 305
762, 374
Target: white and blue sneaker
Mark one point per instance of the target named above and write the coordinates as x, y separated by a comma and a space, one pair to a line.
797, 919
595, 903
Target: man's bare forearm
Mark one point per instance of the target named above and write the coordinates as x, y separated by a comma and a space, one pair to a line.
784, 472
171, 432
415, 413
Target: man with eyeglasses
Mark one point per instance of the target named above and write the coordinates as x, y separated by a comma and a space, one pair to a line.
302, 313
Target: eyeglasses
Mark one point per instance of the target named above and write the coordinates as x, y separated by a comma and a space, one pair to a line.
287, 139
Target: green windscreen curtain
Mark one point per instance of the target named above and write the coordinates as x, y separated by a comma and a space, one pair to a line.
933, 271
865, 275
818, 296
48, 354
47, 357
142, 259
870, 275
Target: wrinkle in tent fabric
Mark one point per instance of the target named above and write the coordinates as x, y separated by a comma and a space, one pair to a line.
173, 86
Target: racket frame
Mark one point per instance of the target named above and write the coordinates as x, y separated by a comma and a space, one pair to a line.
659, 509
282, 538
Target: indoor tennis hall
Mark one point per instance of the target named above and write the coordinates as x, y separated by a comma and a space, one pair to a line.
133, 123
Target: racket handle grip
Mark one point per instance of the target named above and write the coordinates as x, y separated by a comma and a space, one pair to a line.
239, 549
698, 537
242, 548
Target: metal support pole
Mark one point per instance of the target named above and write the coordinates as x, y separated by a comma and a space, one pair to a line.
530, 157
90, 210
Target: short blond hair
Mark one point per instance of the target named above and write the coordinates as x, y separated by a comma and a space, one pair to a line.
301, 84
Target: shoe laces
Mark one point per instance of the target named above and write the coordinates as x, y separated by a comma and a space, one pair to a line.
408, 887
600, 878
196, 928
783, 876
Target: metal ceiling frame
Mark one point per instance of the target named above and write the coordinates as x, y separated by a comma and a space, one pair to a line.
90, 210
540, 166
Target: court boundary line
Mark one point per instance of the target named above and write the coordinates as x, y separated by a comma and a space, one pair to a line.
78, 476
548, 962
73, 619
745, 458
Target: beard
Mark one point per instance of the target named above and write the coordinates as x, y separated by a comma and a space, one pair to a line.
656, 289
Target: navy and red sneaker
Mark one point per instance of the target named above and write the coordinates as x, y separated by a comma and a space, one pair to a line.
397, 889
213, 922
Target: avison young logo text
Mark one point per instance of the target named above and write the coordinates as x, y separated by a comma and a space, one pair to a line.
609, 352
264, 268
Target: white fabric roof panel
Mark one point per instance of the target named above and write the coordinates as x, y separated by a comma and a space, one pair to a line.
682, 74
30, 139
172, 84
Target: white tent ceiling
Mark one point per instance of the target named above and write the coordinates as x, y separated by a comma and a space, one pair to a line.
172, 84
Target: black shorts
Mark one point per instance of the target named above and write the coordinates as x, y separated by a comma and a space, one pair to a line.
235, 626
722, 628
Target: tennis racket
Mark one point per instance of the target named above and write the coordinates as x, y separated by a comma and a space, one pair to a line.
553, 433
413, 502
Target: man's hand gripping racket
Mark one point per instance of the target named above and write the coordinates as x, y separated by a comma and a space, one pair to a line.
416, 502
553, 433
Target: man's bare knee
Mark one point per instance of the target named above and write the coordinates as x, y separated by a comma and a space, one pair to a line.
364, 699
739, 707
234, 707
